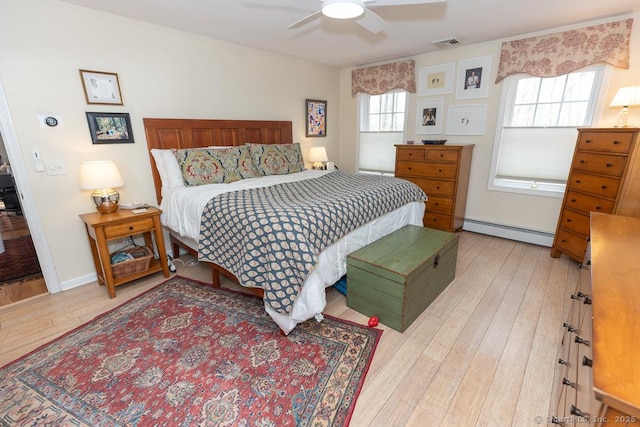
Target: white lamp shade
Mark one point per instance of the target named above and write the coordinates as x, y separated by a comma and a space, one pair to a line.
342, 9
99, 175
626, 97
318, 154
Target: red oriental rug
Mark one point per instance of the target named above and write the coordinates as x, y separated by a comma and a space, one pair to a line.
184, 354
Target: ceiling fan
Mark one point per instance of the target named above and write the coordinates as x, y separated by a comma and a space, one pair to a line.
349, 9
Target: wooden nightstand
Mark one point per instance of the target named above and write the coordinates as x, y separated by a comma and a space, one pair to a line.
124, 223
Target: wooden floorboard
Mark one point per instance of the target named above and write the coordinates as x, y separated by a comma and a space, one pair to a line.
483, 353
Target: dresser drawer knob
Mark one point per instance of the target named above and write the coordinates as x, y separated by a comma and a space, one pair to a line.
598, 208
581, 295
587, 301
439, 170
616, 142
568, 219
609, 165
586, 361
578, 181
569, 383
588, 141
581, 341
582, 161
574, 296
130, 227
604, 187
569, 327
577, 412
573, 200
557, 421
562, 362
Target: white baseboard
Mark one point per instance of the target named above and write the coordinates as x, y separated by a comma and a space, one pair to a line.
78, 281
509, 232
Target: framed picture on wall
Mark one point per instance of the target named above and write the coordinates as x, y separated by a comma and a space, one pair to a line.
316, 117
436, 80
466, 119
101, 87
473, 78
430, 116
110, 128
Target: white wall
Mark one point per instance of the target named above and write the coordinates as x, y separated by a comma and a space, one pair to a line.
514, 210
162, 72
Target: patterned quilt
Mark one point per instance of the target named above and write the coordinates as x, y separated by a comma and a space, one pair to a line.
271, 237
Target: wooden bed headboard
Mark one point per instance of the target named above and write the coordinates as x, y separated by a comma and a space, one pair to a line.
194, 133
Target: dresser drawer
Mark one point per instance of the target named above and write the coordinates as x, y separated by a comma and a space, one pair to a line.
585, 203
135, 227
427, 169
437, 220
594, 184
599, 163
570, 243
575, 221
439, 204
611, 142
443, 155
434, 187
410, 153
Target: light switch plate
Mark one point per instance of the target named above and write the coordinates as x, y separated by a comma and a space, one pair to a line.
56, 167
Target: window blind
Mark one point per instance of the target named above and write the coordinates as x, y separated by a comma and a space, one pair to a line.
377, 151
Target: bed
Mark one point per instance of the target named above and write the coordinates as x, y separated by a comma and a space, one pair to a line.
198, 219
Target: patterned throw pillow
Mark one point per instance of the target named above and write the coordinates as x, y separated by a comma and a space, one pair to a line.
215, 166
276, 159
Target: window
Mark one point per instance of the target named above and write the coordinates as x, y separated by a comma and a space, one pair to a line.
382, 120
536, 139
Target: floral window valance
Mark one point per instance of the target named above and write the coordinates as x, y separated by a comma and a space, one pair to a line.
562, 53
381, 79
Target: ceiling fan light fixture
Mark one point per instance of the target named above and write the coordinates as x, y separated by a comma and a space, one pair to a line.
342, 9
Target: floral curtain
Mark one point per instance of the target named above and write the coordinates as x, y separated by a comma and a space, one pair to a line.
561, 53
381, 79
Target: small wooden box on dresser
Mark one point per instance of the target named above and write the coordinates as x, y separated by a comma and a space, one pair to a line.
604, 177
599, 367
442, 171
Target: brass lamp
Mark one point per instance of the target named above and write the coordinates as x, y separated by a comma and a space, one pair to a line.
625, 98
317, 156
102, 176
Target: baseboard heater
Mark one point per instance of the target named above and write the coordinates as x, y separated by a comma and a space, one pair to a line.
509, 232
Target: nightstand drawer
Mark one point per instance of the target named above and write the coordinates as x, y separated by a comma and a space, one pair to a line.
134, 227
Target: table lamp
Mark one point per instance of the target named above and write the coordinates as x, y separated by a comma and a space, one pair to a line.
625, 98
317, 157
102, 176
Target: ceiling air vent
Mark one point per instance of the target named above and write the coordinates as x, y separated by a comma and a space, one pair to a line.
447, 42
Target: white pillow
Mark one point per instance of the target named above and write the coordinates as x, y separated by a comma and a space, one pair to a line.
168, 168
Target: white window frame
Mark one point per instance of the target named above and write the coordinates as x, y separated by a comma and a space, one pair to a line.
363, 122
538, 188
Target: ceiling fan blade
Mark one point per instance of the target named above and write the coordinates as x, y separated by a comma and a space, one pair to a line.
400, 2
372, 22
305, 20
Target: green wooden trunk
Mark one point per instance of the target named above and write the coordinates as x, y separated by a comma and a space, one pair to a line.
398, 276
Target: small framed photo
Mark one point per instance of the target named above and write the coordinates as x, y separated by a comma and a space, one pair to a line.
473, 78
436, 80
101, 87
466, 119
110, 128
316, 117
430, 116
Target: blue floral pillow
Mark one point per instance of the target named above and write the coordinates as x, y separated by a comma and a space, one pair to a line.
276, 159
215, 166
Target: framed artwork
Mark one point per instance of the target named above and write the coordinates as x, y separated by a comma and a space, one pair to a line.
110, 128
430, 116
101, 87
316, 117
466, 119
473, 77
436, 80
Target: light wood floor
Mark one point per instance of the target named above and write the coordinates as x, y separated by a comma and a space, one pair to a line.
483, 353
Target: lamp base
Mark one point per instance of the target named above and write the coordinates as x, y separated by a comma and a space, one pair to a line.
622, 119
106, 201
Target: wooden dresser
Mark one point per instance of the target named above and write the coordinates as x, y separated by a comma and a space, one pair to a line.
599, 378
442, 171
604, 177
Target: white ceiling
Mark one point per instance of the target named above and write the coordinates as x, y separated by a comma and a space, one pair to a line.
262, 23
